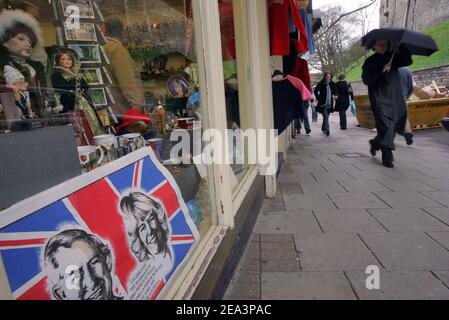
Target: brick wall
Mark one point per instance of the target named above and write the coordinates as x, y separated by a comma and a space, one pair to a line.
422, 78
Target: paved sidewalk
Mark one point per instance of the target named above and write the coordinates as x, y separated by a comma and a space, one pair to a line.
338, 211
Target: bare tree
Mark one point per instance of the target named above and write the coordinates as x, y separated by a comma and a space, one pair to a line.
338, 42
332, 43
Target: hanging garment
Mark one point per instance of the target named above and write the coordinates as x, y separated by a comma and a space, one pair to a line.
227, 31
303, 44
289, 94
279, 24
309, 32
305, 92
289, 61
301, 71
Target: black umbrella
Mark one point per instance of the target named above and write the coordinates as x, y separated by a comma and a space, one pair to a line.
414, 42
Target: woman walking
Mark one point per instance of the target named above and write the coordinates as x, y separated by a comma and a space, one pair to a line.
343, 102
326, 93
381, 75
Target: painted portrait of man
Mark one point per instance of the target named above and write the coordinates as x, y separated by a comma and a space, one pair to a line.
79, 267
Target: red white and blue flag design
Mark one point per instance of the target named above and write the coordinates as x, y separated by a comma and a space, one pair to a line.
95, 209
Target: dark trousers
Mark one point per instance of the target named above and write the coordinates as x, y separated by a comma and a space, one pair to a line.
343, 120
305, 118
387, 153
325, 127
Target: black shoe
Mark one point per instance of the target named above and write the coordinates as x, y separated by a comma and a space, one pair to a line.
408, 138
308, 131
373, 149
328, 133
388, 164
387, 158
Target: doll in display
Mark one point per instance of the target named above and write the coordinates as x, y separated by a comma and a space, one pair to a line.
21, 77
72, 89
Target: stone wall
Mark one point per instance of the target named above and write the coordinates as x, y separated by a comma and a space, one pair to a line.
422, 78
421, 13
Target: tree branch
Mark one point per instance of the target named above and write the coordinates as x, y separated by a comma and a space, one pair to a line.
345, 15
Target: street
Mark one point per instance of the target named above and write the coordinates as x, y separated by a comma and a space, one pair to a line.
339, 211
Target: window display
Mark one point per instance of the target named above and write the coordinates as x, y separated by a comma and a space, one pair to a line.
22, 78
233, 99
124, 76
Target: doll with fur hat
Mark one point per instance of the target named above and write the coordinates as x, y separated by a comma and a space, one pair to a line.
73, 89
20, 78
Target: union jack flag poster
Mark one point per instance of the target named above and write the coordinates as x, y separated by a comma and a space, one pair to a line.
122, 231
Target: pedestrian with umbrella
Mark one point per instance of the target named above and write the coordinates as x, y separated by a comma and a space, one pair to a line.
393, 50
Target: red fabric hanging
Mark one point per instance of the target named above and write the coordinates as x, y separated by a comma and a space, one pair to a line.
279, 26
303, 39
301, 71
227, 31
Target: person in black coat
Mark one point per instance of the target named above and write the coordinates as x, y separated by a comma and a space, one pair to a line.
389, 106
343, 102
326, 93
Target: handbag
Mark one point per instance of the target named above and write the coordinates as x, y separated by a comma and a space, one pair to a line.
319, 109
353, 107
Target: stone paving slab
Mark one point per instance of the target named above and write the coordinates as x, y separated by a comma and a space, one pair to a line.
400, 285
275, 238
321, 187
405, 173
362, 200
407, 251
250, 261
368, 175
294, 177
333, 252
406, 185
407, 220
308, 202
441, 237
363, 186
407, 200
244, 286
439, 184
443, 276
306, 286
293, 222
327, 176
435, 173
284, 265
291, 189
347, 221
278, 250
441, 214
441, 197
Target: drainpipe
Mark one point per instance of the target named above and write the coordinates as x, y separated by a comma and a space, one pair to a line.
407, 12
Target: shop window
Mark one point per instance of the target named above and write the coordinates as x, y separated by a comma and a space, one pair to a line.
234, 108
121, 73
